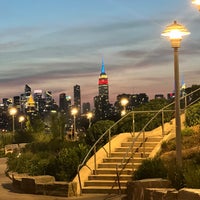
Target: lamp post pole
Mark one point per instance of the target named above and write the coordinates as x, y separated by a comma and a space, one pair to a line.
21, 119
13, 112
89, 117
74, 112
174, 32
124, 102
177, 108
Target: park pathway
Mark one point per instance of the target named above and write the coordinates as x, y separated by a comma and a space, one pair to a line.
7, 192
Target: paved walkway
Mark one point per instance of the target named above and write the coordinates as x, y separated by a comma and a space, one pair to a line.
7, 192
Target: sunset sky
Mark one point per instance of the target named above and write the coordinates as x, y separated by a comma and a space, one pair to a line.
56, 44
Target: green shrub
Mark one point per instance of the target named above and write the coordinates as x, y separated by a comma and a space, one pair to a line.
6, 138
175, 174
151, 168
192, 174
193, 115
187, 131
168, 146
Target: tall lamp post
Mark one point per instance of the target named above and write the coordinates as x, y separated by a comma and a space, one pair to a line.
124, 102
74, 112
196, 3
174, 32
21, 120
89, 117
13, 112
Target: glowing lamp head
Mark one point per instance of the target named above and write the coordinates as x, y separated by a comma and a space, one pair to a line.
124, 102
74, 111
89, 115
196, 3
13, 111
175, 32
21, 118
123, 112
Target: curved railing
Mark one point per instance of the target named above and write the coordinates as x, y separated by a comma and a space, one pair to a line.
108, 133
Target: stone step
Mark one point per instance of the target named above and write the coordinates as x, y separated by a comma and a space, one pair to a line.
104, 183
112, 171
125, 149
120, 159
103, 190
136, 145
136, 155
147, 139
110, 177
120, 166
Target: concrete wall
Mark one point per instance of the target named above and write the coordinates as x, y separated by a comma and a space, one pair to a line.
159, 189
45, 185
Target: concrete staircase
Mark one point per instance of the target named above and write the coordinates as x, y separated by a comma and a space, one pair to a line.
105, 179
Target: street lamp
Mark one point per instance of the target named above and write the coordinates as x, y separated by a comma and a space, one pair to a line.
21, 119
174, 32
196, 3
13, 112
89, 117
74, 112
124, 102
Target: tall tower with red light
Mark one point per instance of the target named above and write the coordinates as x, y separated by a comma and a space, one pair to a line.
103, 83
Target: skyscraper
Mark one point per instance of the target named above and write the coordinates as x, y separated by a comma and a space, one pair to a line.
62, 102
77, 97
103, 83
101, 102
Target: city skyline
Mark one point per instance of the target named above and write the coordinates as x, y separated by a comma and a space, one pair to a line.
54, 45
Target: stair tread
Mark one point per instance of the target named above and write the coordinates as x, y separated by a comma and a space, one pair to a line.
105, 181
106, 170
101, 186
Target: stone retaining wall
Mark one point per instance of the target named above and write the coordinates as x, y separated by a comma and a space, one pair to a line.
45, 185
158, 189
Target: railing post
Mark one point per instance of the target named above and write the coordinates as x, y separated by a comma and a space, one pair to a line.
95, 160
109, 135
132, 158
144, 144
133, 135
185, 103
118, 179
163, 124
79, 179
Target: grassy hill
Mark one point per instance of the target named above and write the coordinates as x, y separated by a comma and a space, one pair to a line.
164, 164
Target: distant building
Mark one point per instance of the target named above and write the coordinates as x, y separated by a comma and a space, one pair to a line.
77, 98
170, 96
64, 103
86, 107
30, 105
37, 95
103, 83
101, 102
159, 96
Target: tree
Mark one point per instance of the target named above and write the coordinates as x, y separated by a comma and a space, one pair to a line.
193, 115
57, 125
96, 130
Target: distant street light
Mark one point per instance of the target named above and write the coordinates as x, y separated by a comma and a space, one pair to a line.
89, 117
21, 120
174, 32
196, 3
124, 102
13, 112
74, 112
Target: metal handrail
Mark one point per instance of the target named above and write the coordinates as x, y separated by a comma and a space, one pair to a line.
135, 138
123, 163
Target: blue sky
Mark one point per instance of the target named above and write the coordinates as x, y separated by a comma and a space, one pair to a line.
56, 44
